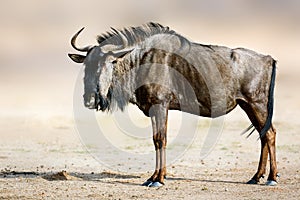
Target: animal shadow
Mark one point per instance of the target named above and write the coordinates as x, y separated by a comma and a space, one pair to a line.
66, 176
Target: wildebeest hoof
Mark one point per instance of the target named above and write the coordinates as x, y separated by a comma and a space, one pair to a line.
156, 184
147, 183
252, 181
152, 184
271, 183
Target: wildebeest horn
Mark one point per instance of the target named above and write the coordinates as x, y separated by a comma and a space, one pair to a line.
84, 49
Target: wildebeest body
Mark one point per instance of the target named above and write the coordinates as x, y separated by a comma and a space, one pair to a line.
232, 65
159, 70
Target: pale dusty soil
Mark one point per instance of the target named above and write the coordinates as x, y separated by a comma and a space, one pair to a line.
33, 150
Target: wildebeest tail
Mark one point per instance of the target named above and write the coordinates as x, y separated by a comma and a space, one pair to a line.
270, 105
251, 127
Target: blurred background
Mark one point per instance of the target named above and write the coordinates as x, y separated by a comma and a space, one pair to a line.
37, 78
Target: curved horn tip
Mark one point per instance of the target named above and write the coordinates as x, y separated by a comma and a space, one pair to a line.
81, 29
73, 40
78, 32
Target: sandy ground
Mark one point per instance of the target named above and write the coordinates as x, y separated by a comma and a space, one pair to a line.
44, 156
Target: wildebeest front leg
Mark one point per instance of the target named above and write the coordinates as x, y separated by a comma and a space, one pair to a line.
159, 117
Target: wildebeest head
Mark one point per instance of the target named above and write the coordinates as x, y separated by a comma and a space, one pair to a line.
98, 74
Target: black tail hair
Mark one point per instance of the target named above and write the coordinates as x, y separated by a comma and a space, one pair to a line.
270, 105
251, 127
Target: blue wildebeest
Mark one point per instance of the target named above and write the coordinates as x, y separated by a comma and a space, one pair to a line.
158, 70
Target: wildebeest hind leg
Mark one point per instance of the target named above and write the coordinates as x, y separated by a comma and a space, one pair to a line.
271, 137
255, 117
262, 163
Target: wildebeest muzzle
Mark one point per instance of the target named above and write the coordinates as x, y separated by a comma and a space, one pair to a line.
96, 101
90, 101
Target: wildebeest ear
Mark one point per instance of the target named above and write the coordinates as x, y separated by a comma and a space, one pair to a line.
77, 58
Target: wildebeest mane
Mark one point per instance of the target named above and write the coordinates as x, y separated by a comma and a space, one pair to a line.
133, 35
